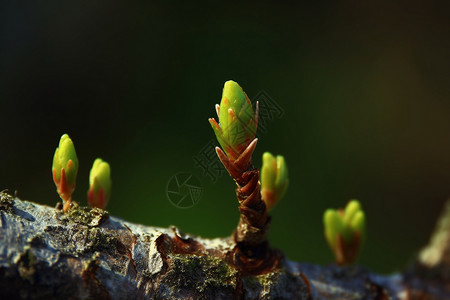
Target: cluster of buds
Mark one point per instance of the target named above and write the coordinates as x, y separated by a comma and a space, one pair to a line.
345, 231
274, 179
99, 184
65, 169
64, 172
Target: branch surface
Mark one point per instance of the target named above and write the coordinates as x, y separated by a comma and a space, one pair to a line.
87, 254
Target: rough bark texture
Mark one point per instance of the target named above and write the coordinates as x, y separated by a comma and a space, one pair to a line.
87, 254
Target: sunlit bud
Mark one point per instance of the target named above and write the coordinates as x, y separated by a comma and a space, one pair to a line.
237, 120
345, 231
274, 179
65, 169
99, 184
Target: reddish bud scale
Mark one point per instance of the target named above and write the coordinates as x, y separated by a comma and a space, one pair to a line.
97, 200
63, 184
63, 190
347, 253
62, 187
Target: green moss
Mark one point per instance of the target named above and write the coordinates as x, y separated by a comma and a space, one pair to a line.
279, 284
266, 279
265, 282
78, 240
89, 238
6, 202
213, 271
100, 241
91, 217
200, 275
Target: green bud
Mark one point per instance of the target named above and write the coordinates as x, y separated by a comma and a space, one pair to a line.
65, 169
99, 184
334, 225
345, 231
237, 121
274, 179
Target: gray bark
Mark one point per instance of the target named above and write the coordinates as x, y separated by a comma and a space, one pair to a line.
87, 254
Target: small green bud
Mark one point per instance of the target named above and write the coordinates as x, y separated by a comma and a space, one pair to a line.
274, 179
65, 169
334, 225
237, 121
99, 184
345, 231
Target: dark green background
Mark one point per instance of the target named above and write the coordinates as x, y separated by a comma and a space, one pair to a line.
365, 89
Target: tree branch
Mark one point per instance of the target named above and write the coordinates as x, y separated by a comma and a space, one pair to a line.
87, 254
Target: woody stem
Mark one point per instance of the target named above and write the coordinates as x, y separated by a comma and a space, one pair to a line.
254, 222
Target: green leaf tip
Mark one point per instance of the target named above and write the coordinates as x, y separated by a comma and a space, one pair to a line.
345, 231
99, 184
274, 179
353, 206
236, 97
237, 120
65, 169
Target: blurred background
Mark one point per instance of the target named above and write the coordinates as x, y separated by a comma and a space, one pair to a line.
364, 92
